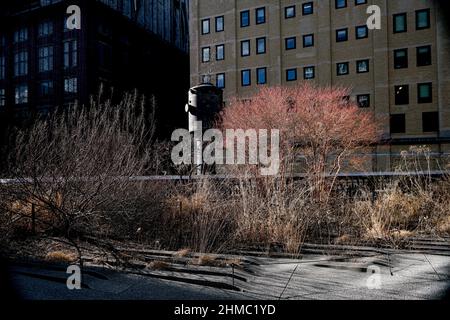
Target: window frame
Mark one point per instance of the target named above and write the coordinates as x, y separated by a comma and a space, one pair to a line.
313, 68
206, 49
396, 67
217, 80
241, 15
249, 72
217, 52
304, 5
223, 23
366, 35
428, 15
395, 16
257, 10
434, 129
286, 40
264, 39
358, 102
402, 118
430, 61
424, 100
345, 64
396, 96
265, 75
242, 48
312, 40
295, 74
208, 20
361, 61
360, 3
336, 2
293, 7
337, 35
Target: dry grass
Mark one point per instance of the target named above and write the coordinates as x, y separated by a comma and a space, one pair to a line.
182, 253
61, 257
158, 265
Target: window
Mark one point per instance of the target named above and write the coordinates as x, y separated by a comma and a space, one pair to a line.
261, 45
70, 54
308, 73
341, 4
422, 19
424, 56
245, 48
342, 68
307, 8
361, 32
220, 52
308, 40
206, 54
21, 94
401, 58
425, 93
206, 28
291, 74
398, 123
290, 43
21, 63
341, 35
2, 98
46, 88
220, 25
363, 100
430, 121
206, 79
260, 15
71, 85
45, 29
45, 59
261, 75
2, 67
362, 66
220, 80
245, 18
21, 35
358, 2
289, 12
401, 95
400, 24
246, 78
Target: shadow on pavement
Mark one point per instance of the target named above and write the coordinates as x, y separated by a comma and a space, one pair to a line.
7, 291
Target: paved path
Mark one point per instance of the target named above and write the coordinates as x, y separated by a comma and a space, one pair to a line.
397, 276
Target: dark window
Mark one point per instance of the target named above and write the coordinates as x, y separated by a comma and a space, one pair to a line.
362, 66
341, 4
246, 78
2, 67
400, 23
206, 26
308, 40
70, 54
289, 12
245, 18
245, 48
21, 35
21, 63
220, 25
21, 94
361, 32
45, 58
291, 43
260, 15
422, 19
363, 100
220, 80
220, 52
261, 75
424, 93
291, 74
45, 28
398, 123
401, 95
430, 121
341, 35
308, 73
358, 2
424, 56
2, 97
71, 85
401, 58
307, 8
261, 45
342, 68
206, 54
46, 88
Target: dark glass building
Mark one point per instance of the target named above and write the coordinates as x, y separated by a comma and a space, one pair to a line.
122, 45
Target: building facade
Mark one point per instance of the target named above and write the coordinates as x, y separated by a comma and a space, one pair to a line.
400, 71
122, 45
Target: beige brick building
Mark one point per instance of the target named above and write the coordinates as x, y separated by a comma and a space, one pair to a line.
401, 71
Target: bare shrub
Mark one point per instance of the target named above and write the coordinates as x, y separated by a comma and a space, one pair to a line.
77, 166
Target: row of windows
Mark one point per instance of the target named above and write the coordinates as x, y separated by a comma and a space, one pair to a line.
422, 21
424, 93
430, 123
45, 90
45, 29
45, 59
423, 57
400, 20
